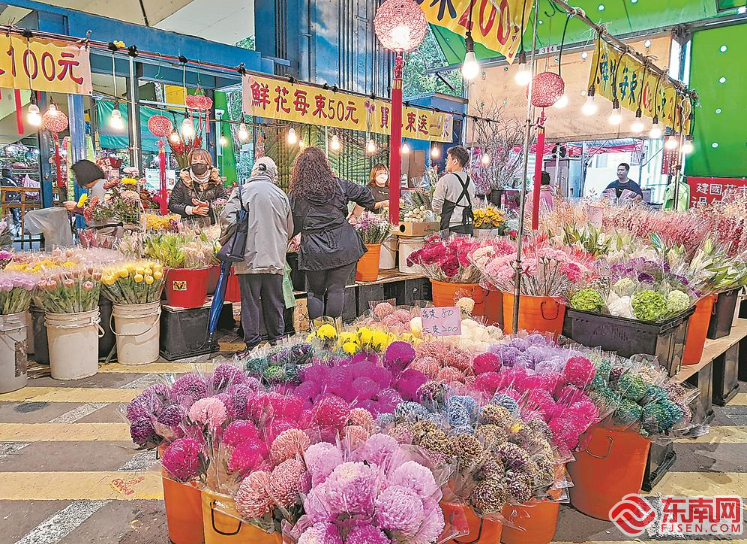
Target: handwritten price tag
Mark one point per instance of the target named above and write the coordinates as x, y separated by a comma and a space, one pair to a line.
441, 321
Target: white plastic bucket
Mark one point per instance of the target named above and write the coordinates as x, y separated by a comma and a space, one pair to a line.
74, 344
30, 348
13, 361
138, 328
408, 245
388, 254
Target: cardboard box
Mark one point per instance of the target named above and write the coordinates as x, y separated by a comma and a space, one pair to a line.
412, 228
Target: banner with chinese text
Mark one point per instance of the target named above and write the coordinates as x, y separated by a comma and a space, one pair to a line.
614, 74
299, 103
44, 65
496, 24
705, 190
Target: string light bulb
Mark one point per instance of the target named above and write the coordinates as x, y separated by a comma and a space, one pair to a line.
116, 121
562, 102
223, 141
656, 132
590, 107
188, 128
435, 152
371, 146
53, 111
485, 159
292, 137
33, 116
243, 133
671, 144
335, 144
470, 67
174, 137
687, 147
301, 144
637, 126
405, 148
523, 76
616, 115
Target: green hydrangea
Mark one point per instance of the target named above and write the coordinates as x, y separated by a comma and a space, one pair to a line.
256, 366
587, 300
649, 305
632, 386
656, 393
274, 374
677, 302
624, 287
656, 418
628, 413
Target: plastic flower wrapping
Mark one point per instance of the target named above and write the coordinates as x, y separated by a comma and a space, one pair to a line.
448, 260
187, 249
133, 282
16, 289
374, 492
496, 455
166, 223
372, 228
279, 365
5, 258
490, 218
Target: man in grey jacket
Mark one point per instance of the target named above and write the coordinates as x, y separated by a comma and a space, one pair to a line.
261, 272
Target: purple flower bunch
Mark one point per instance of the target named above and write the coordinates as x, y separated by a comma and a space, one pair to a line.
373, 494
152, 416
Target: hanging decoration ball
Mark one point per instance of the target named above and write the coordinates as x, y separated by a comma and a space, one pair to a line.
198, 101
54, 121
160, 126
547, 88
400, 25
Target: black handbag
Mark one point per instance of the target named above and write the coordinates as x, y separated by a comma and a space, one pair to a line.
232, 251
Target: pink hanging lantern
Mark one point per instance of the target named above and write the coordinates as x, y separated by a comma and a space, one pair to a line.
547, 88
55, 122
400, 26
160, 126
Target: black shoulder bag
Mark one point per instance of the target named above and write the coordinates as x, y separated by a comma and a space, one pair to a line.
232, 251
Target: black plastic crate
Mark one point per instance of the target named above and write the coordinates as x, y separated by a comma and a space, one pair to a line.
661, 458
723, 314
725, 380
628, 337
184, 333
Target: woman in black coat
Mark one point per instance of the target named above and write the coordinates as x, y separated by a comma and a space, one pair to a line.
198, 186
330, 247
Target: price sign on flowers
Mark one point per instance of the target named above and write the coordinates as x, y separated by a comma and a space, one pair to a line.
44, 65
285, 101
441, 321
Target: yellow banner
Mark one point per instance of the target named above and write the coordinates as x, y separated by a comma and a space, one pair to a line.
299, 103
44, 65
616, 75
496, 24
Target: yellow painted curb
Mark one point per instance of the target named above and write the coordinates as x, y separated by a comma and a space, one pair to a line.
65, 432
740, 399
158, 368
71, 486
70, 394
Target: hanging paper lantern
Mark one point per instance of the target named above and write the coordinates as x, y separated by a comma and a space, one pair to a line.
198, 101
547, 88
159, 126
400, 25
54, 121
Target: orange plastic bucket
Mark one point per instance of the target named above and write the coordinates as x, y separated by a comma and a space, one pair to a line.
368, 265
187, 287
544, 314
445, 294
697, 330
222, 528
463, 518
535, 522
611, 466
494, 308
183, 512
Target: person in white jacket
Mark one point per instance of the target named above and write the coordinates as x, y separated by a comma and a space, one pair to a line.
270, 226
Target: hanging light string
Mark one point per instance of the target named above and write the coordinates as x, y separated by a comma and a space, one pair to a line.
592, 87
562, 43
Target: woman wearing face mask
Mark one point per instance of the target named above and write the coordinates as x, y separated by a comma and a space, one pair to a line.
378, 182
198, 186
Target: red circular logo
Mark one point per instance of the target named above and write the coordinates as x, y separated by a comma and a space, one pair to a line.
632, 514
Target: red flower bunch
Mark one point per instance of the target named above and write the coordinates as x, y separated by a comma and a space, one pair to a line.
447, 260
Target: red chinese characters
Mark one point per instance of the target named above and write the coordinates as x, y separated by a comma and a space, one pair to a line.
300, 103
281, 100
260, 95
411, 120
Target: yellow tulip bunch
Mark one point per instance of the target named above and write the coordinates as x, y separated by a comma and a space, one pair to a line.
133, 282
489, 218
161, 222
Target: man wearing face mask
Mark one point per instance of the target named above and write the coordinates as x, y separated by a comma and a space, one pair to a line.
198, 186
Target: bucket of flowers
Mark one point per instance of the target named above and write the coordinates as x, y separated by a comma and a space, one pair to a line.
373, 229
489, 221
16, 289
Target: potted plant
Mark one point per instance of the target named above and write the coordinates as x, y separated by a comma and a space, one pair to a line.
373, 229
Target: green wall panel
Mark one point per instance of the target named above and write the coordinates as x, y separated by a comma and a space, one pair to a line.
721, 117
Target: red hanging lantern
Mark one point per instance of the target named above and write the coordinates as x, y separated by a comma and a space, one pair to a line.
547, 88
160, 126
400, 25
54, 120
198, 101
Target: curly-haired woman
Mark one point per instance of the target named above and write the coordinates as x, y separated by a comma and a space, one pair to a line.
198, 186
330, 247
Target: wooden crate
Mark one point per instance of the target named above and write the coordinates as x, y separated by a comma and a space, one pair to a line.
411, 228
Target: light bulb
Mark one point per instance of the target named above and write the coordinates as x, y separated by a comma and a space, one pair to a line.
223, 141
301, 144
742, 10
671, 144
584, 55
687, 148
435, 152
589, 108
115, 121
53, 110
292, 138
335, 144
174, 137
405, 148
637, 126
485, 159
523, 76
615, 117
33, 118
401, 36
655, 133
371, 147
470, 67
562, 102
243, 134
188, 128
